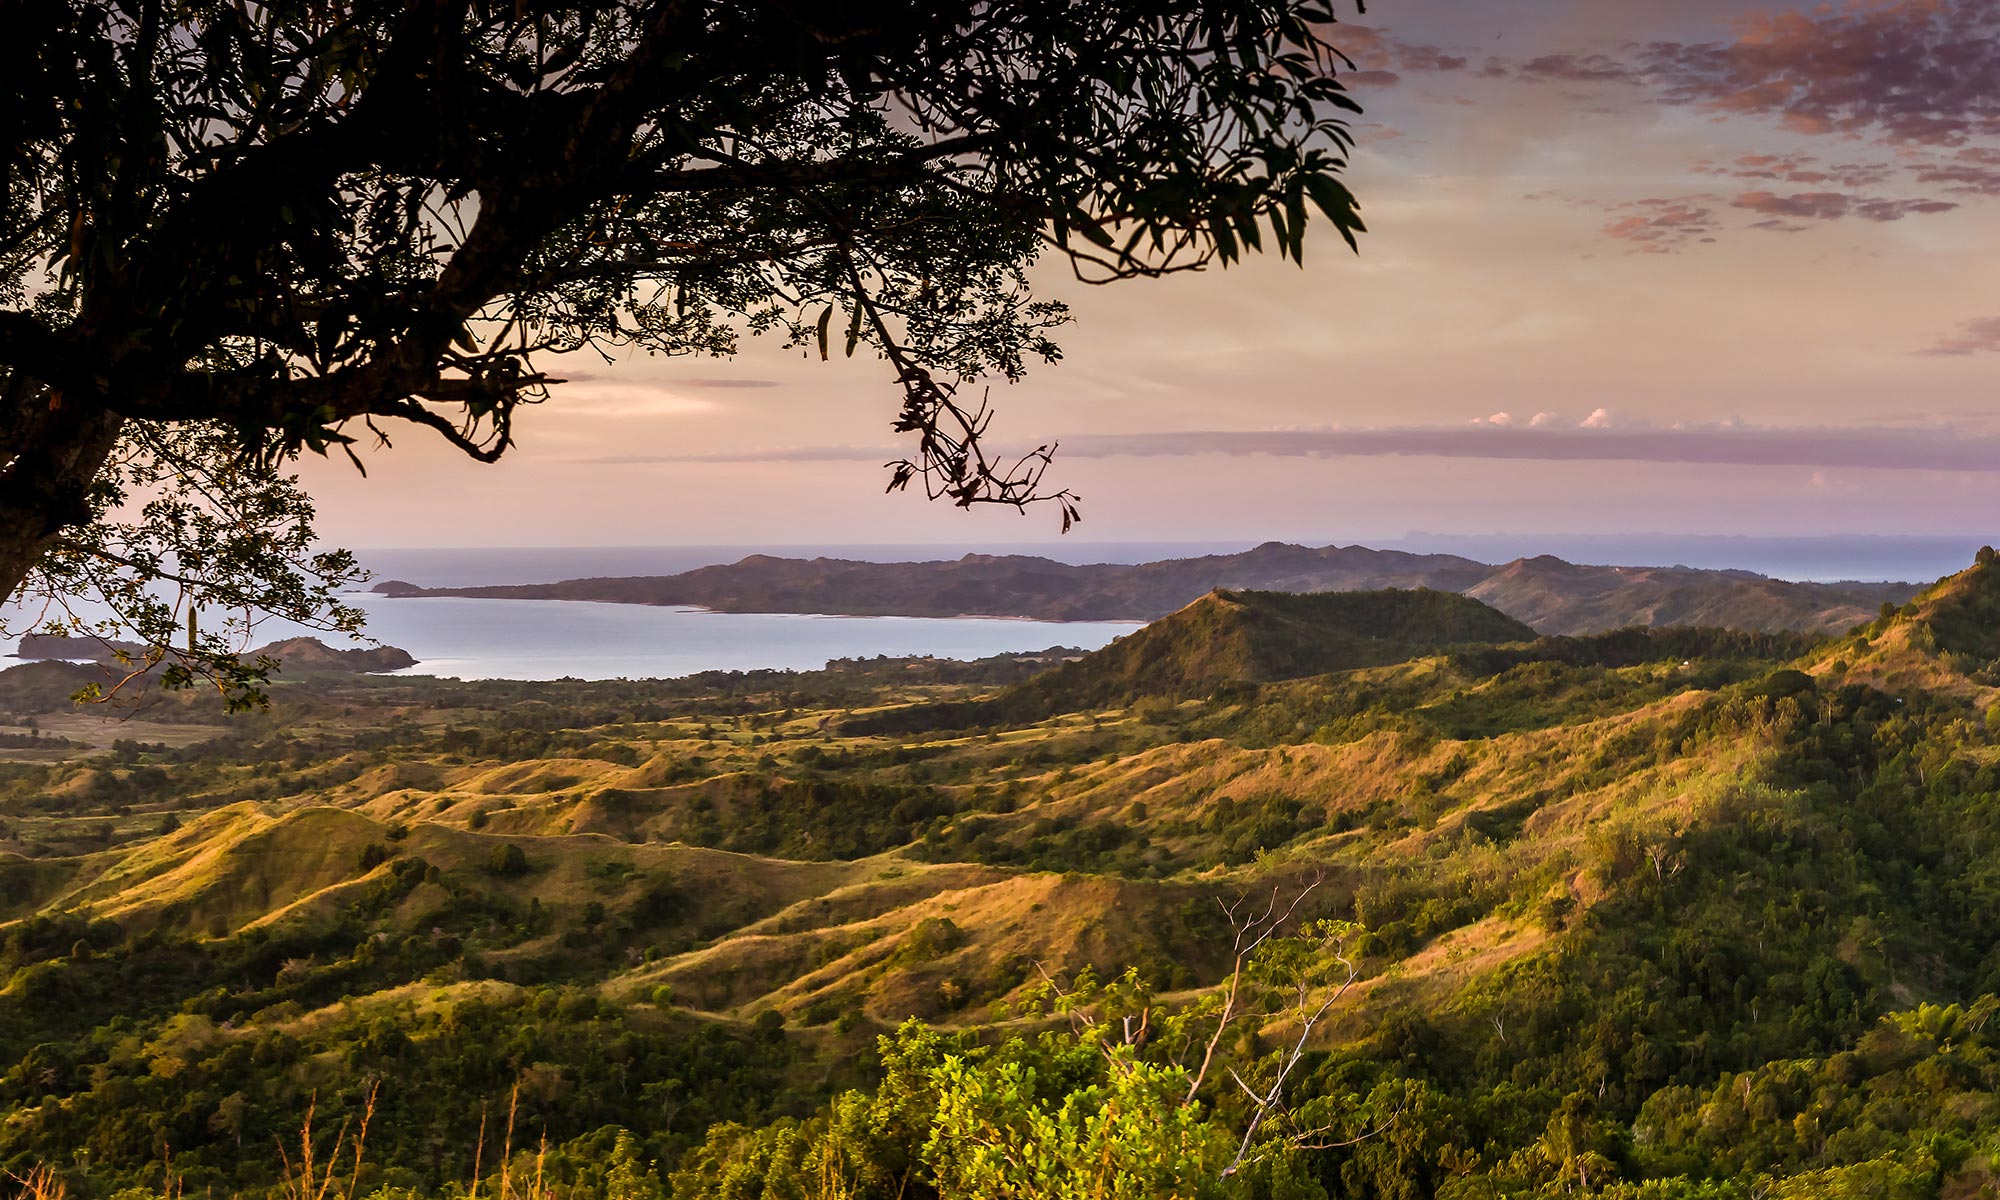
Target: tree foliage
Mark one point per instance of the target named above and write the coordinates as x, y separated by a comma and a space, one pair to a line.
292, 227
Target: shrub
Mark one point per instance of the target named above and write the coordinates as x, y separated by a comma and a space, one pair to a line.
508, 861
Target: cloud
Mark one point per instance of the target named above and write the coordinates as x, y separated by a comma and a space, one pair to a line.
1912, 86
569, 374
1429, 58
1923, 72
1658, 226
634, 399
1799, 168
1972, 170
1831, 206
1662, 225
1579, 68
1810, 206
1896, 210
1378, 57
1934, 448
1974, 337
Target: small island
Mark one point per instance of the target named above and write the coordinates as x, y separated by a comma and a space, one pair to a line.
298, 656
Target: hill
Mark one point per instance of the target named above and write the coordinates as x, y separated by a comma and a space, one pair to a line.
302, 654
1554, 596
1700, 913
1946, 639
1960, 614
1229, 638
298, 655
1558, 597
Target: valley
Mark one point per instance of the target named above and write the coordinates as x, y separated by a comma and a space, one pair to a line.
1667, 911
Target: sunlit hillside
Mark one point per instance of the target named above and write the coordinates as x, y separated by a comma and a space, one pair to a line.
1627, 868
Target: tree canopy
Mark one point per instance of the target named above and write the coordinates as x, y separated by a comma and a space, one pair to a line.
231, 233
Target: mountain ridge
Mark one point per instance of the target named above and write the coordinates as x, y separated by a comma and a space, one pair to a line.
1553, 596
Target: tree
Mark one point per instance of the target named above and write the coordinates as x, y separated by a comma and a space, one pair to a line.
1120, 1093
1124, 1134
507, 861
232, 234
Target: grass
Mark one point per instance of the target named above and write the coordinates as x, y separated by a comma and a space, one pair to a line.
765, 932
346, 863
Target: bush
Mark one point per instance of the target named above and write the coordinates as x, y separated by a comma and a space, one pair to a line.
508, 861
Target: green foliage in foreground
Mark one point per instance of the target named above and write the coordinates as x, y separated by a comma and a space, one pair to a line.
1055, 1116
1906, 1111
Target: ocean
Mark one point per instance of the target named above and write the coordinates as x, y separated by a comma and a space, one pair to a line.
554, 639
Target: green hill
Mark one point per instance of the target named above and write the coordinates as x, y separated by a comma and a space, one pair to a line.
1946, 639
1962, 612
1653, 903
1228, 638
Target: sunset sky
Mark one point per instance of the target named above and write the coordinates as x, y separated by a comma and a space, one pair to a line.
1644, 266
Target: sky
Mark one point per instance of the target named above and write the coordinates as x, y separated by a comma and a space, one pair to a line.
1646, 266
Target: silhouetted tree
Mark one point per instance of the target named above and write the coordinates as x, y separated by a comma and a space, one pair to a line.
230, 234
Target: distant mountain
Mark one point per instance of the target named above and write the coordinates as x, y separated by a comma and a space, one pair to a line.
1554, 596
999, 585
1561, 597
74, 649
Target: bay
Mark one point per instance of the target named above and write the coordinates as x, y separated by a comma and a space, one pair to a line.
471, 638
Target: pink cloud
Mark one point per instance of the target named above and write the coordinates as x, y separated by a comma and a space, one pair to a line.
1981, 336
1662, 225
1905, 71
1816, 206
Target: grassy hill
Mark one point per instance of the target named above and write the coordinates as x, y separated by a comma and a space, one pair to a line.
1228, 640
1946, 639
1259, 637
1710, 912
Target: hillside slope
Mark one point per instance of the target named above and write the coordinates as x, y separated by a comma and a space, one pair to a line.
1261, 637
1946, 639
1692, 907
1558, 597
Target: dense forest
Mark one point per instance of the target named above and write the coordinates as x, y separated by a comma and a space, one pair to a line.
1378, 898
